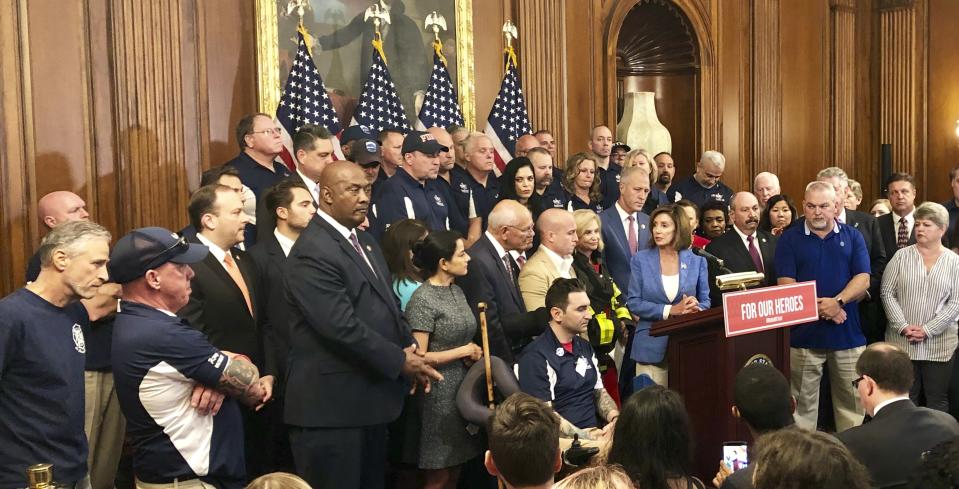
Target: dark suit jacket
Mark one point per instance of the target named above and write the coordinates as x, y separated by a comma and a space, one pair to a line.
729, 247
347, 333
217, 307
273, 307
509, 326
616, 253
878, 255
890, 446
888, 232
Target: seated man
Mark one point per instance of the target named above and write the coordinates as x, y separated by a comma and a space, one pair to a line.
523, 443
892, 444
560, 367
761, 398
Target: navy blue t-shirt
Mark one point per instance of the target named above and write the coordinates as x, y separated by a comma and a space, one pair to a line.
609, 185
464, 187
41, 388
158, 359
692, 191
567, 380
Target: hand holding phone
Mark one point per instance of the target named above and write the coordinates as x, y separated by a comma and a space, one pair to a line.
735, 455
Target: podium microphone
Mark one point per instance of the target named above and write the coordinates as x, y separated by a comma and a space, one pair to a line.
712, 259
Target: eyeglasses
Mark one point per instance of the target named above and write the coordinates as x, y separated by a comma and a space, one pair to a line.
855, 383
272, 131
526, 230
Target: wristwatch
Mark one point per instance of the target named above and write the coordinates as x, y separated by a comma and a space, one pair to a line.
841, 302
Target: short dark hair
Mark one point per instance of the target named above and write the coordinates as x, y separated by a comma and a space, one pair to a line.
888, 366
203, 202
397, 243
900, 177
559, 291
667, 153
714, 205
214, 174
280, 194
762, 395
305, 137
381, 137
652, 439
939, 468
245, 127
438, 245
523, 437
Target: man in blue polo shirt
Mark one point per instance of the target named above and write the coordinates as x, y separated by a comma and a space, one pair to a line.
704, 185
475, 188
42, 351
835, 256
410, 192
158, 361
560, 367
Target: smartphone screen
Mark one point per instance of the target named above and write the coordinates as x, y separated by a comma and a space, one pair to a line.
735, 455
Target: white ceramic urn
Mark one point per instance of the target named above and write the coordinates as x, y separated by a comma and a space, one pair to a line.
640, 127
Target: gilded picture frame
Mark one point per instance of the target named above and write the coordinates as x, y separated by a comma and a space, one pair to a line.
268, 53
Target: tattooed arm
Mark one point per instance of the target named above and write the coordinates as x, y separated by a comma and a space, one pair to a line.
567, 429
605, 405
241, 380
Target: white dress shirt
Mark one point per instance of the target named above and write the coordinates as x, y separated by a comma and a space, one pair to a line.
562, 264
215, 250
286, 244
624, 220
745, 238
910, 222
312, 186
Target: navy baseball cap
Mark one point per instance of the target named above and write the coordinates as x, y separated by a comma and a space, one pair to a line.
423, 142
619, 145
358, 131
366, 153
145, 249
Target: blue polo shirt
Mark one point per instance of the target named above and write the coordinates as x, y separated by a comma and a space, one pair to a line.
41, 388
567, 380
465, 186
255, 175
458, 221
158, 359
832, 262
609, 185
402, 193
692, 191
575, 203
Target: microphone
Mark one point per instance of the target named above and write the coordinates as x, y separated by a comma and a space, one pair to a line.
712, 259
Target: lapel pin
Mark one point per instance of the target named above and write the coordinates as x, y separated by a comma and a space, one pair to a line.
682, 265
642, 226
560, 351
764, 240
369, 248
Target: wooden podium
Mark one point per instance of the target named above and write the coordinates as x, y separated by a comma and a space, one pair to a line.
702, 365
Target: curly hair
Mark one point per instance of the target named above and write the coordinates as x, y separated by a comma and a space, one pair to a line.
572, 171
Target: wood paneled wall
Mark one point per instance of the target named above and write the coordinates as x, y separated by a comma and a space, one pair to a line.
125, 102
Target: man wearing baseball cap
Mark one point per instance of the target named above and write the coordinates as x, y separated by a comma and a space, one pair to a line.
407, 194
366, 153
158, 362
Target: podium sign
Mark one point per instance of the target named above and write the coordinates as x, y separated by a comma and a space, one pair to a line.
766, 308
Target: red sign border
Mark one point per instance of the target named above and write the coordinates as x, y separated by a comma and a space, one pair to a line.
773, 326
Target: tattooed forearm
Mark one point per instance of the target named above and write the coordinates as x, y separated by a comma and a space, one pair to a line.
605, 404
568, 430
237, 378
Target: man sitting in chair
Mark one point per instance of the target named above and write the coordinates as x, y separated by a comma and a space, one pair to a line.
560, 367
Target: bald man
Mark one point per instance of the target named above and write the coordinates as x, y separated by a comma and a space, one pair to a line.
553, 259
353, 356
525, 143
765, 185
704, 185
493, 277
607, 171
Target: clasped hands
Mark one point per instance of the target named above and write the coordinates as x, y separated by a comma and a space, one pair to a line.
418, 370
689, 304
914, 333
830, 309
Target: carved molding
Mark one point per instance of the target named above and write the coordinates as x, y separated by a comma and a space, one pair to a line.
843, 72
541, 25
902, 82
767, 87
896, 4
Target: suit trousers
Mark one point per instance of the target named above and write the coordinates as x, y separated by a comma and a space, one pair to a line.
105, 427
806, 367
337, 458
931, 384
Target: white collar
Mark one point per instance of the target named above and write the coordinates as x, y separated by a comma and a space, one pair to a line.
310, 184
743, 235
562, 264
908, 217
842, 216
805, 224
886, 403
164, 311
218, 253
343, 230
285, 243
500, 251
623, 215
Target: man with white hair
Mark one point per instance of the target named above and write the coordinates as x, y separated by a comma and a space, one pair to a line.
475, 188
704, 185
835, 256
765, 186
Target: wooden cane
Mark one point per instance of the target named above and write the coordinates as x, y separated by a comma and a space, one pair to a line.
489, 371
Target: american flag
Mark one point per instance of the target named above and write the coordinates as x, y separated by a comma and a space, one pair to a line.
508, 120
305, 101
380, 108
440, 107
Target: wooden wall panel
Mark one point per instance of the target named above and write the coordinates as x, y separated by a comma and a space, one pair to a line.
766, 87
543, 25
733, 76
943, 91
582, 75
488, 45
843, 76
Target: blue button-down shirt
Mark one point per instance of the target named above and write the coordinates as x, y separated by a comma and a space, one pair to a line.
401, 194
568, 380
832, 262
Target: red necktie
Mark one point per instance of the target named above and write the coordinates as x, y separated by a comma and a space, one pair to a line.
902, 237
631, 235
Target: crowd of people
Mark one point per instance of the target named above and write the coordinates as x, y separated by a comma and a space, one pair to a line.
324, 321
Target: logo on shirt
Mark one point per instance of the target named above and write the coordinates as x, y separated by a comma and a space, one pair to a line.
557, 203
582, 365
464, 188
78, 343
216, 359
678, 197
438, 200
617, 178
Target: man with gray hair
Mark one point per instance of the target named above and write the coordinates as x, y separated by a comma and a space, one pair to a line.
42, 356
834, 255
703, 185
765, 185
